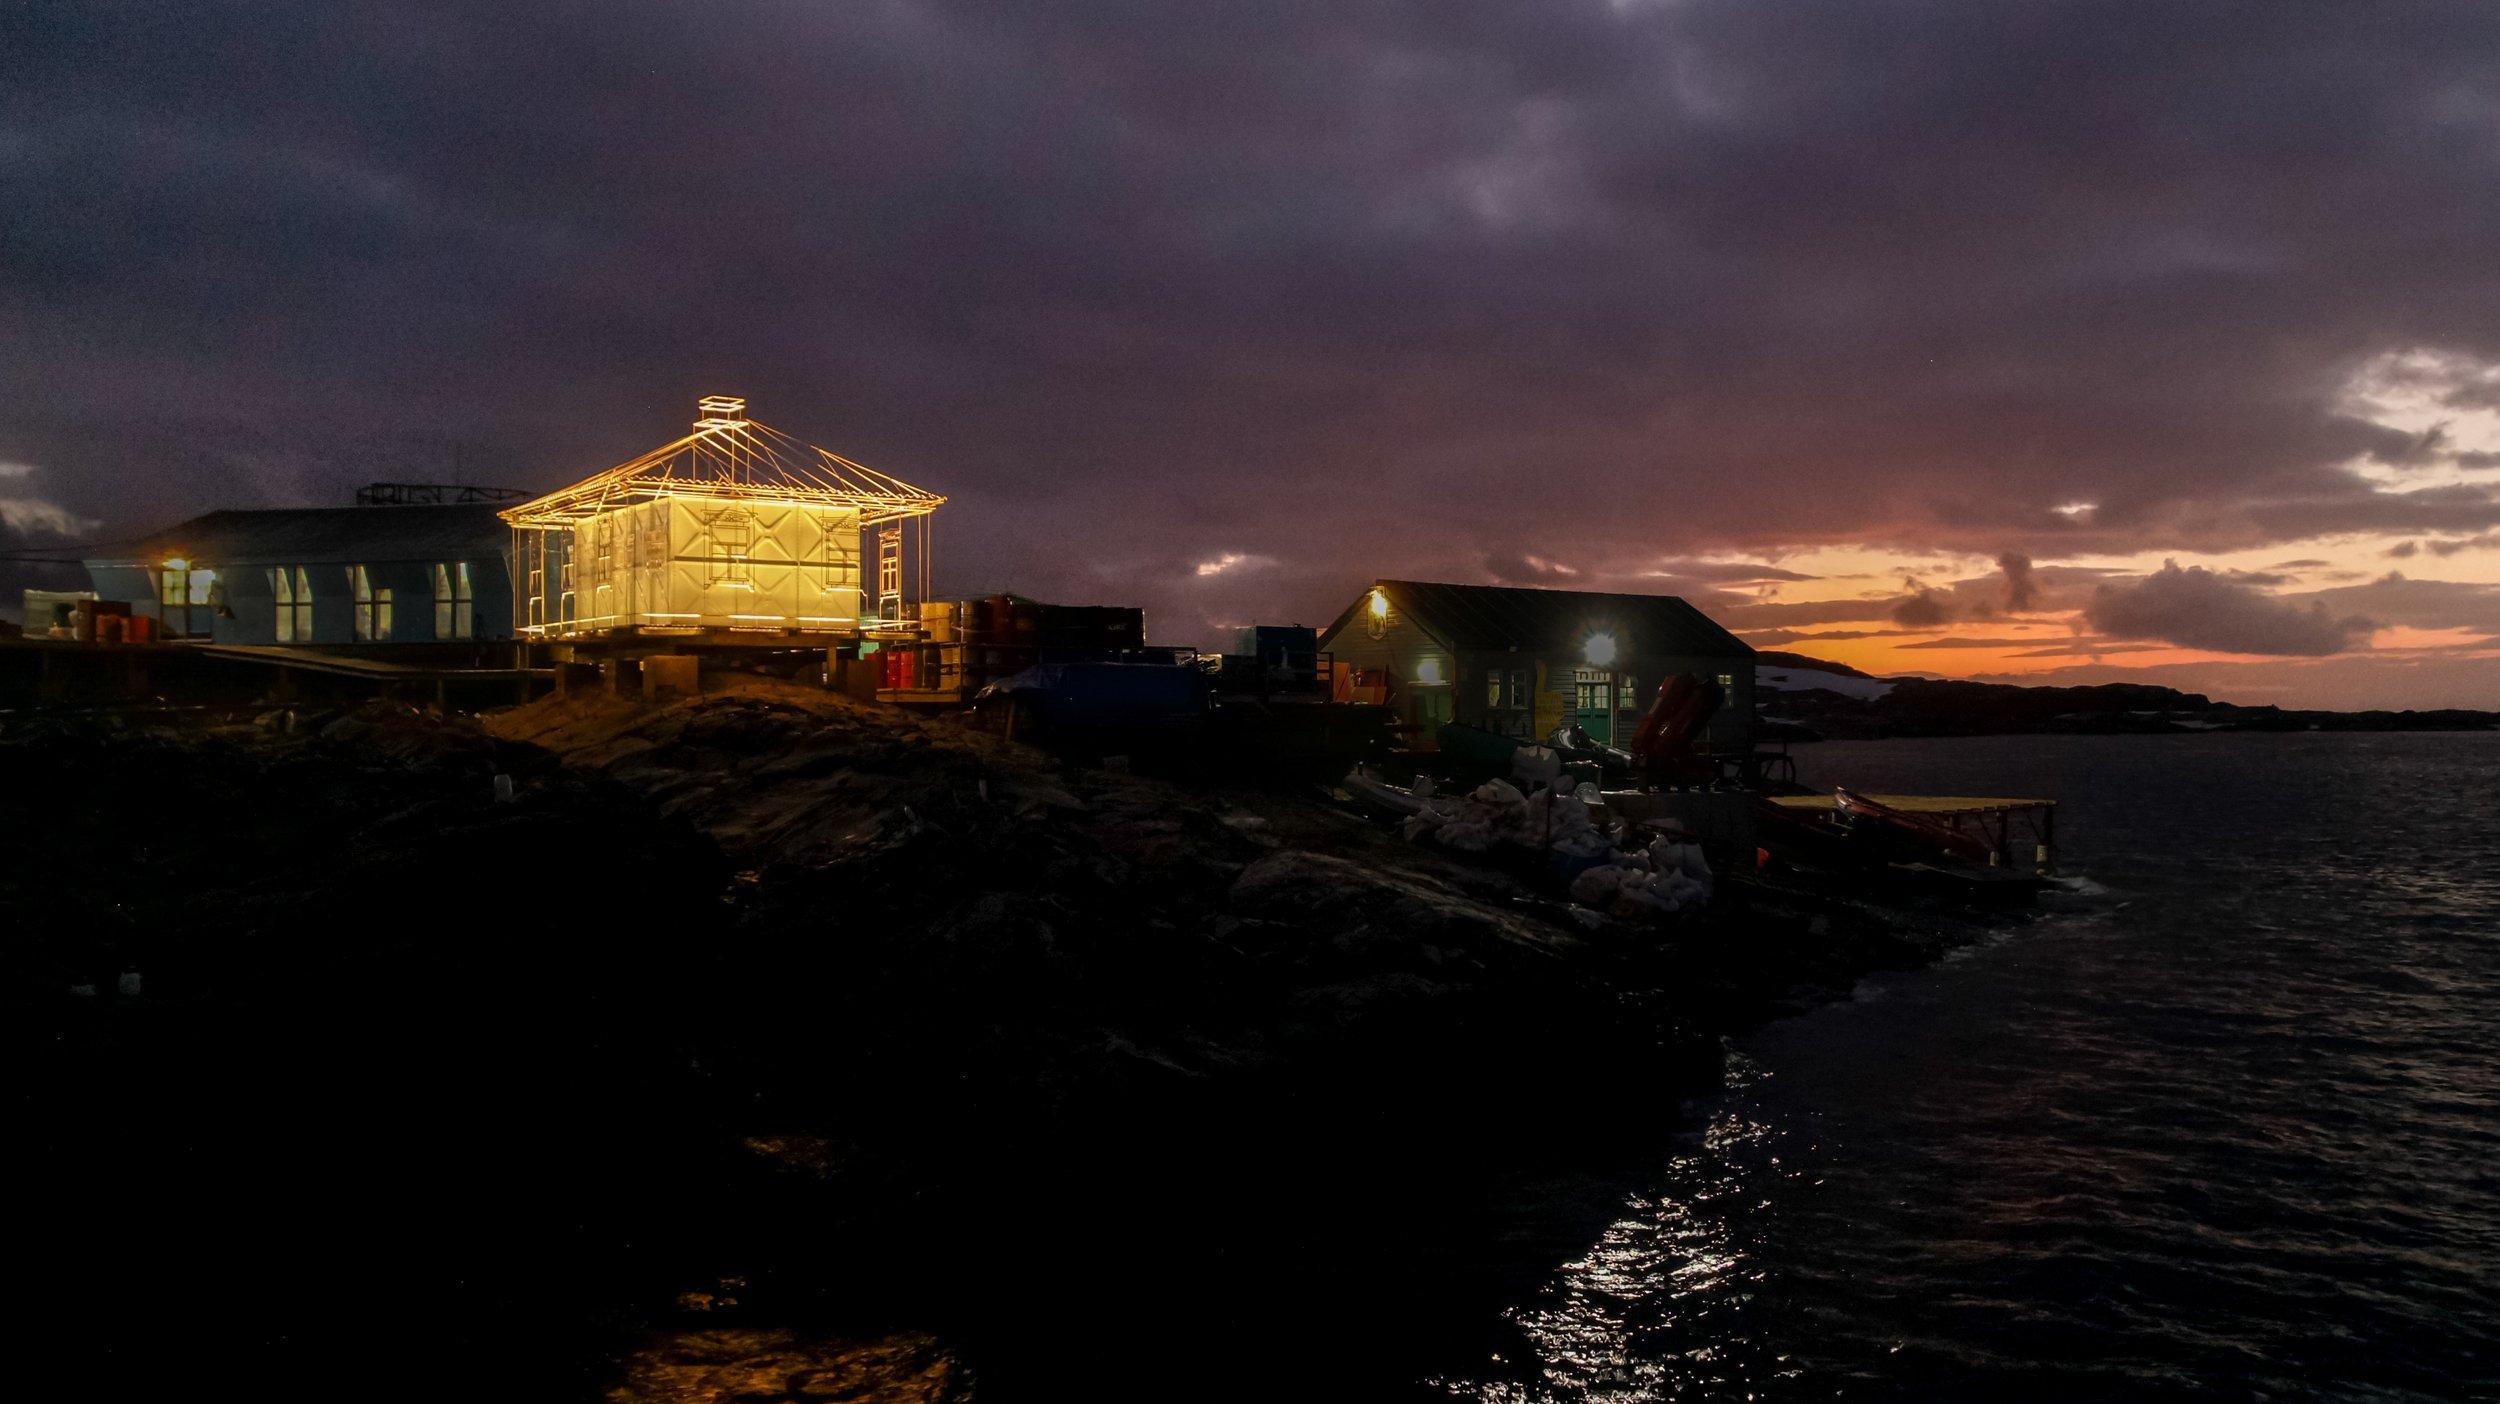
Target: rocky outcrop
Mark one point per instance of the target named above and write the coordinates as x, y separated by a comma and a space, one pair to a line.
510, 1031
735, 1366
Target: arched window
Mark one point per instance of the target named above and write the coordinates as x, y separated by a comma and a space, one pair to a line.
291, 588
454, 607
373, 607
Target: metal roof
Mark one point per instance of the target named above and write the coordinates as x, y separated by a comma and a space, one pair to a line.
732, 457
1552, 621
322, 535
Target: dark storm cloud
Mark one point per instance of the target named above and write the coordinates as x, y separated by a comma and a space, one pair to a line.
1332, 282
2398, 449
1778, 614
1518, 568
1774, 638
1921, 608
1964, 641
2198, 608
34, 532
2089, 648
2020, 593
2488, 541
2424, 604
1730, 572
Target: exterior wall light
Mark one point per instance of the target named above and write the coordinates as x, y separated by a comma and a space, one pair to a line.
1600, 651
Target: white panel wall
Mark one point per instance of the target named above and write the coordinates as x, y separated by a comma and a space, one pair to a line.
717, 564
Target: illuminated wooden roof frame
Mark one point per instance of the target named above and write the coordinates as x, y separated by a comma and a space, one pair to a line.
733, 457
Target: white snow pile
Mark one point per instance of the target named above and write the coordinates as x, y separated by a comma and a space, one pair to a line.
1667, 877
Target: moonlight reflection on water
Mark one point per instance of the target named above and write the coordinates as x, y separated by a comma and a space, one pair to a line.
2221, 1123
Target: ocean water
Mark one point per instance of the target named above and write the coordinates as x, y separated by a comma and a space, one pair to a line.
2223, 1124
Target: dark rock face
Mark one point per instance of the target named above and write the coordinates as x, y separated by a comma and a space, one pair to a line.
378, 1080
897, 1026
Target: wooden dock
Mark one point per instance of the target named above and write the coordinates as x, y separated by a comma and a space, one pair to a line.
2002, 824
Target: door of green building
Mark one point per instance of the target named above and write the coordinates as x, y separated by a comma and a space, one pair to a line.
1594, 706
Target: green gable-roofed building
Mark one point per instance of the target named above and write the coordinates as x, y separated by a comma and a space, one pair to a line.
1521, 662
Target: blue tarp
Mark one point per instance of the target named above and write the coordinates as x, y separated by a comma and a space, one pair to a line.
1107, 694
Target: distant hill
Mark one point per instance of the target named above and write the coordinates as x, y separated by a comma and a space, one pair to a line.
1766, 658
1834, 700
1795, 672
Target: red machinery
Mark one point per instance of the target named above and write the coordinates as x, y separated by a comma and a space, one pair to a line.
1662, 745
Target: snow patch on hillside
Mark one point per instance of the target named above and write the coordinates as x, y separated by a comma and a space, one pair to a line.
1781, 679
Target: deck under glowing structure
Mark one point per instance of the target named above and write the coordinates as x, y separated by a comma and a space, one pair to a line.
736, 531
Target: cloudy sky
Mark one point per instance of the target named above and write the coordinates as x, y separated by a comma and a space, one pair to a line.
2056, 341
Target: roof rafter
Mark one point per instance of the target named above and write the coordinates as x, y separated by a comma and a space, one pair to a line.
729, 456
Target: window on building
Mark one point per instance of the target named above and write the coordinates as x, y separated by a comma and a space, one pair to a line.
373, 606
291, 588
1506, 687
179, 587
454, 607
195, 585
889, 564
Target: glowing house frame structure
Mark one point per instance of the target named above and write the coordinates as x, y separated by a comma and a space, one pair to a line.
736, 531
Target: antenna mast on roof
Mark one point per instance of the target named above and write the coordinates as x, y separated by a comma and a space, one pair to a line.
723, 416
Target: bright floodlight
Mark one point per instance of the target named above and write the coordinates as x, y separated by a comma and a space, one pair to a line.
1379, 605
1601, 650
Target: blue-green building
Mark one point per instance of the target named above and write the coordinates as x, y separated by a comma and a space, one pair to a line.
329, 577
